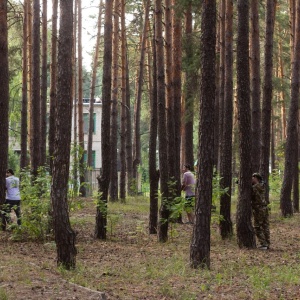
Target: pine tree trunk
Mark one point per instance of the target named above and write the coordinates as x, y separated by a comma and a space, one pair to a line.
267, 94
64, 235
245, 232
35, 132
129, 159
255, 87
82, 189
169, 90
226, 145
43, 112
162, 126
138, 100
75, 114
177, 94
123, 108
93, 83
4, 99
114, 107
200, 244
220, 99
24, 114
53, 74
103, 179
188, 117
290, 146
153, 172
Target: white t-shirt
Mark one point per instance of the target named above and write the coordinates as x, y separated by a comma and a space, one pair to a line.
12, 188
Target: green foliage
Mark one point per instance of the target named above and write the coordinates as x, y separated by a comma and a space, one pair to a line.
13, 161
35, 205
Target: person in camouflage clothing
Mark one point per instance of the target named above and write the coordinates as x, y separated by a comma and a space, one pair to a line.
260, 212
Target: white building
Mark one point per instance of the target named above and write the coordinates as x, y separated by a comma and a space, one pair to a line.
96, 146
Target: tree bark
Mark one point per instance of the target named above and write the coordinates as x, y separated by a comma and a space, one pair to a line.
103, 179
153, 172
43, 113
113, 191
82, 189
267, 95
4, 99
138, 100
123, 108
35, 132
64, 235
290, 146
162, 126
226, 145
255, 87
24, 114
200, 245
93, 83
245, 232
53, 74
177, 93
188, 117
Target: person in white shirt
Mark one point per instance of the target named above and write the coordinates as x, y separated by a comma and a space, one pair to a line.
188, 185
13, 197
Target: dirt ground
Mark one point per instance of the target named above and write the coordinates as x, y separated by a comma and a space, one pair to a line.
132, 265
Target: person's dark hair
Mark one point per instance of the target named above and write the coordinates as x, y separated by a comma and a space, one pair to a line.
257, 175
188, 167
10, 171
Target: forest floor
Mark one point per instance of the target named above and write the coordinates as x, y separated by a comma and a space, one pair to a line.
131, 264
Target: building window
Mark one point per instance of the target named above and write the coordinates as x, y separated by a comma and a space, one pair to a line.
86, 123
93, 158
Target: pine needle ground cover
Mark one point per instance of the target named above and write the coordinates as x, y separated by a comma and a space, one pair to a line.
131, 264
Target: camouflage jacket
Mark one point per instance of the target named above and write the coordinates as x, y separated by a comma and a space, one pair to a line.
258, 195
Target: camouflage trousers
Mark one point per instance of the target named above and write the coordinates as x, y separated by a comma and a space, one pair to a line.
261, 224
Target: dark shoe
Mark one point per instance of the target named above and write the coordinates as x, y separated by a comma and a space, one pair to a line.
189, 223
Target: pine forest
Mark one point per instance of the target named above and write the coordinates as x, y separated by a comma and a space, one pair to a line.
150, 149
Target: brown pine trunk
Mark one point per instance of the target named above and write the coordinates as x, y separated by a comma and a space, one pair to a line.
291, 145
153, 172
35, 132
53, 74
162, 126
129, 159
226, 145
177, 93
114, 107
255, 87
137, 109
292, 21
282, 94
4, 99
64, 235
188, 116
220, 112
75, 123
245, 232
123, 108
93, 83
200, 244
24, 114
267, 94
43, 119
82, 189
103, 179
169, 90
